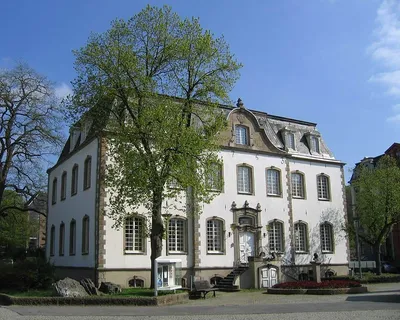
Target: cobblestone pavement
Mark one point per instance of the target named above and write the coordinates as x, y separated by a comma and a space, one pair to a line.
382, 303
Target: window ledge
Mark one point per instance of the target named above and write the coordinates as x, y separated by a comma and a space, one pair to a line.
300, 198
85, 253
63, 199
72, 254
274, 195
74, 194
177, 253
246, 193
215, 253
327, 252
322, 199
129, 252
86, 188
302, 252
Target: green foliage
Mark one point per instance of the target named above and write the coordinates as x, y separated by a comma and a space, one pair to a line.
32, 273
15, 226
378, 200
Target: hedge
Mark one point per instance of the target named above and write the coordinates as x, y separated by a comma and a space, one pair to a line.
95, 300
329, 284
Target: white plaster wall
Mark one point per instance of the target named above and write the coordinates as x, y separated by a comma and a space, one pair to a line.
314, 211
73, 207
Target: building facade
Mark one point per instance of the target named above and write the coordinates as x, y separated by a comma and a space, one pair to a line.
282, 201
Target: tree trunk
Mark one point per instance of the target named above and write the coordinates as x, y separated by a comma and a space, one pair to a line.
377, 251
157, 232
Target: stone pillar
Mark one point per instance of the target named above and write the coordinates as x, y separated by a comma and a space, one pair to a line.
316, 267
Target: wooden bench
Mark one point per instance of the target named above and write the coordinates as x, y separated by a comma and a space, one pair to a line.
203, 287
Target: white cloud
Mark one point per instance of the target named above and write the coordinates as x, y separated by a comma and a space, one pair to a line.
62, 90
386, 48
395, 118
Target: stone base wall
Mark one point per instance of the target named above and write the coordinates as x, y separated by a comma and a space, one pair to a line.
75, 273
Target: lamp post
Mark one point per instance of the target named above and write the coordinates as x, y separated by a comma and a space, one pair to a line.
356, 227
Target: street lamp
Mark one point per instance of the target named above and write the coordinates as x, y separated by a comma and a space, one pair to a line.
356, 227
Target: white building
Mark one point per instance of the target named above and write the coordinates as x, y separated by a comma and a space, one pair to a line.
283, 200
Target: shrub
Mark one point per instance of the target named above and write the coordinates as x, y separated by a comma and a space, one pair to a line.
32, 273
329, 284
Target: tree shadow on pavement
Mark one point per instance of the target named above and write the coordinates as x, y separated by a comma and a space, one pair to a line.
375, 298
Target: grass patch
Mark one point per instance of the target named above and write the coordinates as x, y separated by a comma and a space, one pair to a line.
30, 293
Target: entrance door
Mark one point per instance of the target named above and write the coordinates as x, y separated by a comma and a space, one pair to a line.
268, 277
246, 246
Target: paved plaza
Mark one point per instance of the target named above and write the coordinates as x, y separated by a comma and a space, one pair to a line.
383, 302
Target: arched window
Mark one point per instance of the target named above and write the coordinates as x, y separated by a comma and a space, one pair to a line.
242, 135
323, 187
326, 232
177, 233
87, 172
136, 282
72, 237
52, 239
134, 235
85, 235
300, 232
54, 192
61, 240
244, 179
273, 182
275, 236
64, 185
74, 182
297, 180
215, 236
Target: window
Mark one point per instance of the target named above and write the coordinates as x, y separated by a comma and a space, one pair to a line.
74, 183
300, 232
314, 144
275, 236
214, 177
174, 184
87, 172
273, 182
72, 238
52, 239
241, 133
134, 234
214, 236
244, 179
177, 236
326, 237
64, 186
54, 192
290, 140
297, 185
85, 235
61, 240
323, 187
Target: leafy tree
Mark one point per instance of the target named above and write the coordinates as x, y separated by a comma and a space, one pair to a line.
377, 195
158, 79
29, 132
15, 228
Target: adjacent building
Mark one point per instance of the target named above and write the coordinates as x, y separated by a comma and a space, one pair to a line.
283, 200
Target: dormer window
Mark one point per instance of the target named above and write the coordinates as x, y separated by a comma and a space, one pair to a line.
290, 140
242, 135
314, 144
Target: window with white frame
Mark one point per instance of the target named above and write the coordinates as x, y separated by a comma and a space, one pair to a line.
134, 235
74, 180
323, 187
54, 192
52, 239
87, 172
275, 236
297, 185
290, 140
242, 135
326, 237
72, 237
300, 232
244, 179
177, 235
214, 177
63, 185
85, 235
314, 144
273, 182
214, 236
61, 239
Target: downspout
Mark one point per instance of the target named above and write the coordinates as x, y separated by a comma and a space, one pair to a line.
97, 212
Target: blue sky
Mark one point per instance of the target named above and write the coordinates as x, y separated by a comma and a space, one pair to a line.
333, 62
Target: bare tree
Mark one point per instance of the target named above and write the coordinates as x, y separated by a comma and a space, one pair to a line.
30, 131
